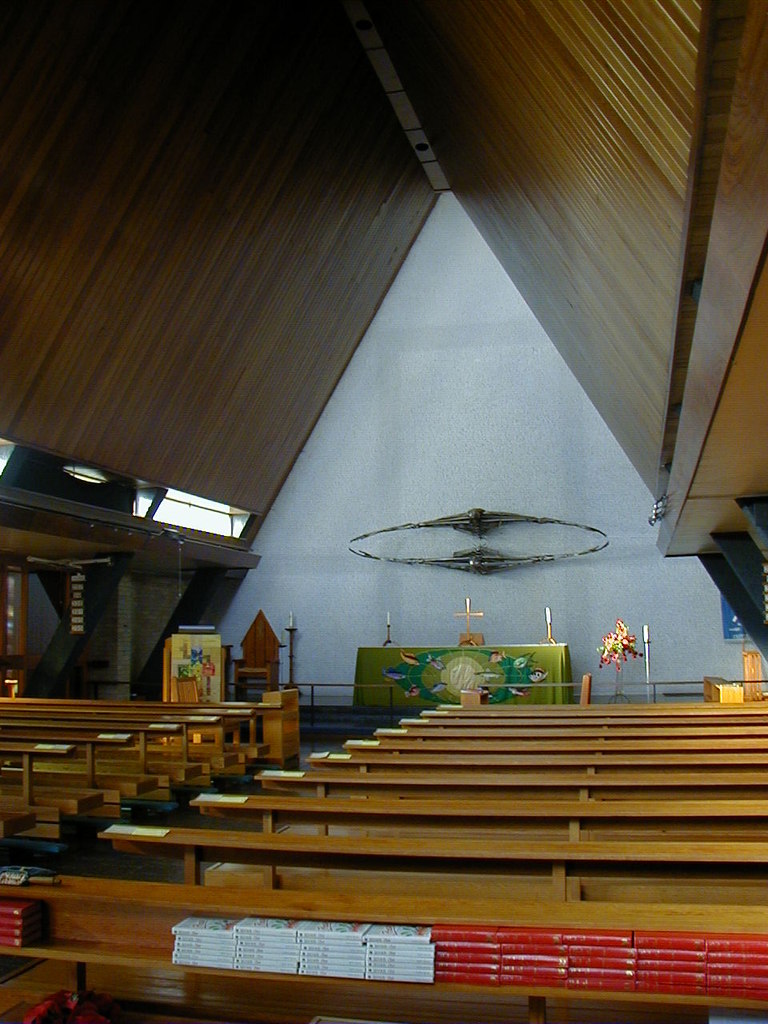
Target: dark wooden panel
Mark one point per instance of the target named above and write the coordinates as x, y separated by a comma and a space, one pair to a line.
719, 452
201, 206
566, 131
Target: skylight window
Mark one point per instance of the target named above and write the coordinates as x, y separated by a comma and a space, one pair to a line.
193, 513
6, 451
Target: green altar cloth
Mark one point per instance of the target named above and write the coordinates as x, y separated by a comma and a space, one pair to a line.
420, 676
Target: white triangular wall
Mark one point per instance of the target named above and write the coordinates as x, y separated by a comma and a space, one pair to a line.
456, 399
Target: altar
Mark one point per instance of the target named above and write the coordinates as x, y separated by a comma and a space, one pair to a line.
423, 676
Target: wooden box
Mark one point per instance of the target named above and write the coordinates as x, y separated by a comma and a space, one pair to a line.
473, 698
719, 691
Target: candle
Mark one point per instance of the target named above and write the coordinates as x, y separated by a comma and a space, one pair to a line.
388, 622
548, 616
645, 634
290, 620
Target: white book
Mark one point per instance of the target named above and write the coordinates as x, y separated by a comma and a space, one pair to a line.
399, 972
331, 930
399, 933
204, 924
223, 949
267, 926
422, 961
201, 961
333, 961
332, 973
263, 969
258, 956
257, 964
419, 979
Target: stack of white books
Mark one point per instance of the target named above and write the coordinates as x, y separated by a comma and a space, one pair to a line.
267, 944
332, 948
399, 952
205, 942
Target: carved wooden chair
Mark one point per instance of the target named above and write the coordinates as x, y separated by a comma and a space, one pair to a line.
259, 666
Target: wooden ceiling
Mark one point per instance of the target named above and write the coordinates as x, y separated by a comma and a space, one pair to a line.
202, 206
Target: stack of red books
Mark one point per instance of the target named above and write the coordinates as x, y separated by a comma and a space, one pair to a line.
671, 962
532, 956
737, 965
466, 953
21, 922
600, 959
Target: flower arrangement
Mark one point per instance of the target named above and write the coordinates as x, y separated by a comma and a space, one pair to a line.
618, 646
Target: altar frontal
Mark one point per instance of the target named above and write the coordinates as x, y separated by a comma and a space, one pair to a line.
422, 676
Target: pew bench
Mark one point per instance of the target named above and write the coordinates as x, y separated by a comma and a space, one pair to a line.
116, 935
613, 784
272, 724
188, 747
608, 713
565, 819
114, 760
557, 864
495, 729
371, 758
533, 743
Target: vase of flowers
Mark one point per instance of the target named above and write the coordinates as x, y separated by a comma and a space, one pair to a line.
618, 647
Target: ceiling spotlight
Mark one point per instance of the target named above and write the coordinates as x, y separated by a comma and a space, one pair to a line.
87, 474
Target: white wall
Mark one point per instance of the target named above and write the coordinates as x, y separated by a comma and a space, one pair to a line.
456, 399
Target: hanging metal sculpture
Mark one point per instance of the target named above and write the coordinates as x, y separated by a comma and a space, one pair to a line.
481, 559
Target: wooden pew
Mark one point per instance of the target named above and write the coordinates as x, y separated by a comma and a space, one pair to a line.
511, 865
203, 735
26, 753
464, 741
116, 936
571, 819
495, 728
602, 712
272, 724
373, 759
680, 784
125, 761
83, 768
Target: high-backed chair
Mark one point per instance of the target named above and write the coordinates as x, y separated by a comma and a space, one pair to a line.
184, 691
259, 666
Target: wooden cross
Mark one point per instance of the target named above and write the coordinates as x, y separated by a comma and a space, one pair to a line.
469, 640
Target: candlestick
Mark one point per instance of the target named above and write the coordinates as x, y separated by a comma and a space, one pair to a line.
647, 653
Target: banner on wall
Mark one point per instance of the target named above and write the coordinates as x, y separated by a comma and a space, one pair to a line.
198, 656
732, 627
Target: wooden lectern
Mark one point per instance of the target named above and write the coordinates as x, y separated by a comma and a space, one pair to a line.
259, 667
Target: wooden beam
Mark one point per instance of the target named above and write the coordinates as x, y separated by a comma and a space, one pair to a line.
51, 673
739, 598
734, 259
191, 607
